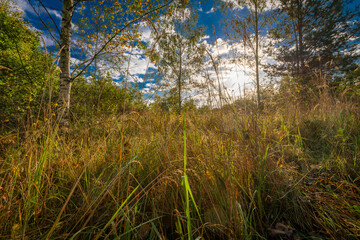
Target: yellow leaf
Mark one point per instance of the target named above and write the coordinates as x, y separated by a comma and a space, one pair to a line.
89, 45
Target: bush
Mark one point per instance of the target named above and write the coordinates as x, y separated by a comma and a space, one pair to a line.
24, 69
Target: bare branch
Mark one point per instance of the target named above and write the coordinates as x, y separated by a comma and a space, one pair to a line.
45, 8
45, 25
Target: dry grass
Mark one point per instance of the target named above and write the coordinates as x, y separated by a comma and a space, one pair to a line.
288, 173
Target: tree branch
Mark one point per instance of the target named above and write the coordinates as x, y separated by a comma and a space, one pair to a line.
45, 8
45, 25
115, 34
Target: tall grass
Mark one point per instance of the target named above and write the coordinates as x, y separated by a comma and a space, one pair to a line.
287, 173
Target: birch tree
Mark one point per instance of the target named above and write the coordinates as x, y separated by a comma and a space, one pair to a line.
179, 52
248, 27
118, 16
65, 75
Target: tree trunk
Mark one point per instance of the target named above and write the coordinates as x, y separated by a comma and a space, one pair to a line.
216, 69
65, 79
300, 32
257, 56
179, 81
297, 51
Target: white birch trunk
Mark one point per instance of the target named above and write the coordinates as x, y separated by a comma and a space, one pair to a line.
65, 77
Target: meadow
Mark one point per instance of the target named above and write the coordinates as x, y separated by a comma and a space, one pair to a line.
288, 172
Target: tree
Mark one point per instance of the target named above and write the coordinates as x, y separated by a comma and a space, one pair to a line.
24, 68
118, 16
65, 74
93, 99
314, 37
332, 37
289, 28
179, 53
248, 27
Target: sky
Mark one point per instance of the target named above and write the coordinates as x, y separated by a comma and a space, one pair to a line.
233, 76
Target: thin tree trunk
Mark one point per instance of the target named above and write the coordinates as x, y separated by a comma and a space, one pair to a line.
179, 80
257, 56
300, 32
297, 51
217, 70
65, 79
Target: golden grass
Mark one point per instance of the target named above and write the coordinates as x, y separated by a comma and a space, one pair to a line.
288, 172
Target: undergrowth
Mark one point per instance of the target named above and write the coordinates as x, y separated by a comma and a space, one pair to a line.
287, 173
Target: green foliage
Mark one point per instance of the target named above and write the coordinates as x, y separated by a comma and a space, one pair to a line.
101, 96
179, 53
170, 103
348, 84
24, 68
316, 41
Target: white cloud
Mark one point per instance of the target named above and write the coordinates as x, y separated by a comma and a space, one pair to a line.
234, 4
149, 88
269, 5
145, 90
211, 10
181, 14
49, 41
75, 61
24, 6
139, 65
145, 31
204, 38
134, 64
55, 13
151, 85
233, 76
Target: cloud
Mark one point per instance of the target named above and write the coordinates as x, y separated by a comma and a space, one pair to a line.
133, 66
145, 31
211, 10
233, 4
139, 65
24, 6
74, 61
269, 5
204, 38
55, 13
49, 41
234, 75
178, 14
